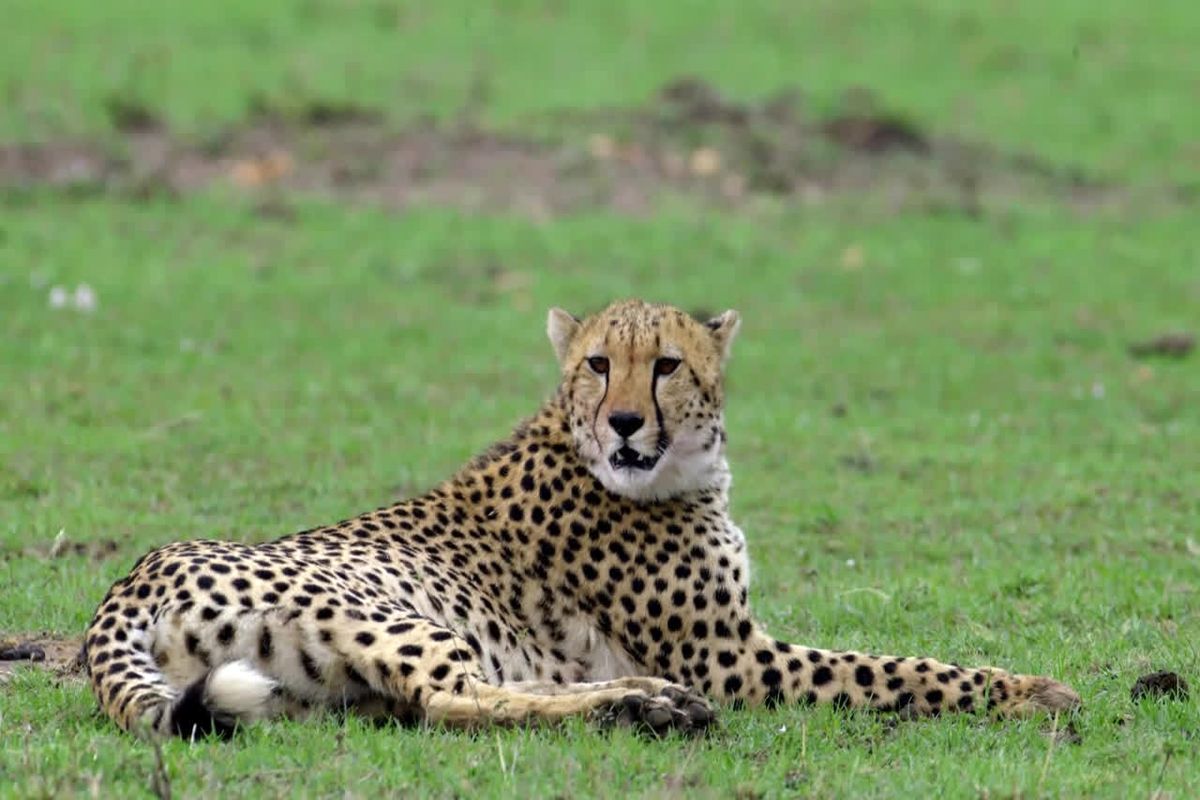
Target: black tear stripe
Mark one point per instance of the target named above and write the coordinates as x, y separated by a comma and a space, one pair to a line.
664, 441
596, 413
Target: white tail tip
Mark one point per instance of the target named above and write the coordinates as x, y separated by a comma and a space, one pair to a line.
238, 689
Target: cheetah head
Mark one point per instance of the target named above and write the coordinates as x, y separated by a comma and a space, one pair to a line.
643, 387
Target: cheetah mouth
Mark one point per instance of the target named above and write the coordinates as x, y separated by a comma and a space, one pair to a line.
628, 458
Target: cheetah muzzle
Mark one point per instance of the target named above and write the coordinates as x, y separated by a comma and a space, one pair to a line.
628, 458
562, 573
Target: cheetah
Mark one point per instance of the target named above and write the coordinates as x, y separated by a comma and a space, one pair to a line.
586, 566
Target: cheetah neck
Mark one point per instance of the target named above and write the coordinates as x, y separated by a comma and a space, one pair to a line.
542, 450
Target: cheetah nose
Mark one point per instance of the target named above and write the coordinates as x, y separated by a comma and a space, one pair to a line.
625, 423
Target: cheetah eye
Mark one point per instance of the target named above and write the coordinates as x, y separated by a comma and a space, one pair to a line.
665, 366
599, 365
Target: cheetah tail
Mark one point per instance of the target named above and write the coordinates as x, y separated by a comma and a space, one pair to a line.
233, 692
134, 691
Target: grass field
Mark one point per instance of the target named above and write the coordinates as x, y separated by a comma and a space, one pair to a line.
941, 441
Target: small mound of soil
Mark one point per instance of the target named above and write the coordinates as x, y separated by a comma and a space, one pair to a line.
1171, 345
1160, 684
689, 138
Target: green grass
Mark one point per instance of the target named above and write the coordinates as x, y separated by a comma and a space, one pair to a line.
946, 451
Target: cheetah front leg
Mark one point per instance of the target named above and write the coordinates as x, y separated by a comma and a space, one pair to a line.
756, 668
429, 672
691, 709
650, 686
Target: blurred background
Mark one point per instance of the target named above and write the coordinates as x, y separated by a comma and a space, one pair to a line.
994, 92
267, 263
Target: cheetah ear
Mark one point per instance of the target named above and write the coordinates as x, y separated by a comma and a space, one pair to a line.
724, 328
561, 327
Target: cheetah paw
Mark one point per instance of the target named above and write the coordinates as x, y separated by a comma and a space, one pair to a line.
672, 709
699, 710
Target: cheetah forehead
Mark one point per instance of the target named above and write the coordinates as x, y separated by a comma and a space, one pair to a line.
634, 329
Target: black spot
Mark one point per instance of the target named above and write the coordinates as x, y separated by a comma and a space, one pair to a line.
440, 671
864, 675
726, 658
310, 667
413, 650
895, 682
732, 684
822, 675
764, 656
365, 639
934, 696
204, 582
354, 676
225, 634
772, 677
841, 700
264, 644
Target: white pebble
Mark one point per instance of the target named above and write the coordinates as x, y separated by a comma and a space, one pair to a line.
85, 298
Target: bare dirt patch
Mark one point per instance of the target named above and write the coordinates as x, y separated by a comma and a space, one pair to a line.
689, 139
59, 654
63, 547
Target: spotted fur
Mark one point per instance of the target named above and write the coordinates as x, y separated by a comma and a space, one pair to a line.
586, 565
